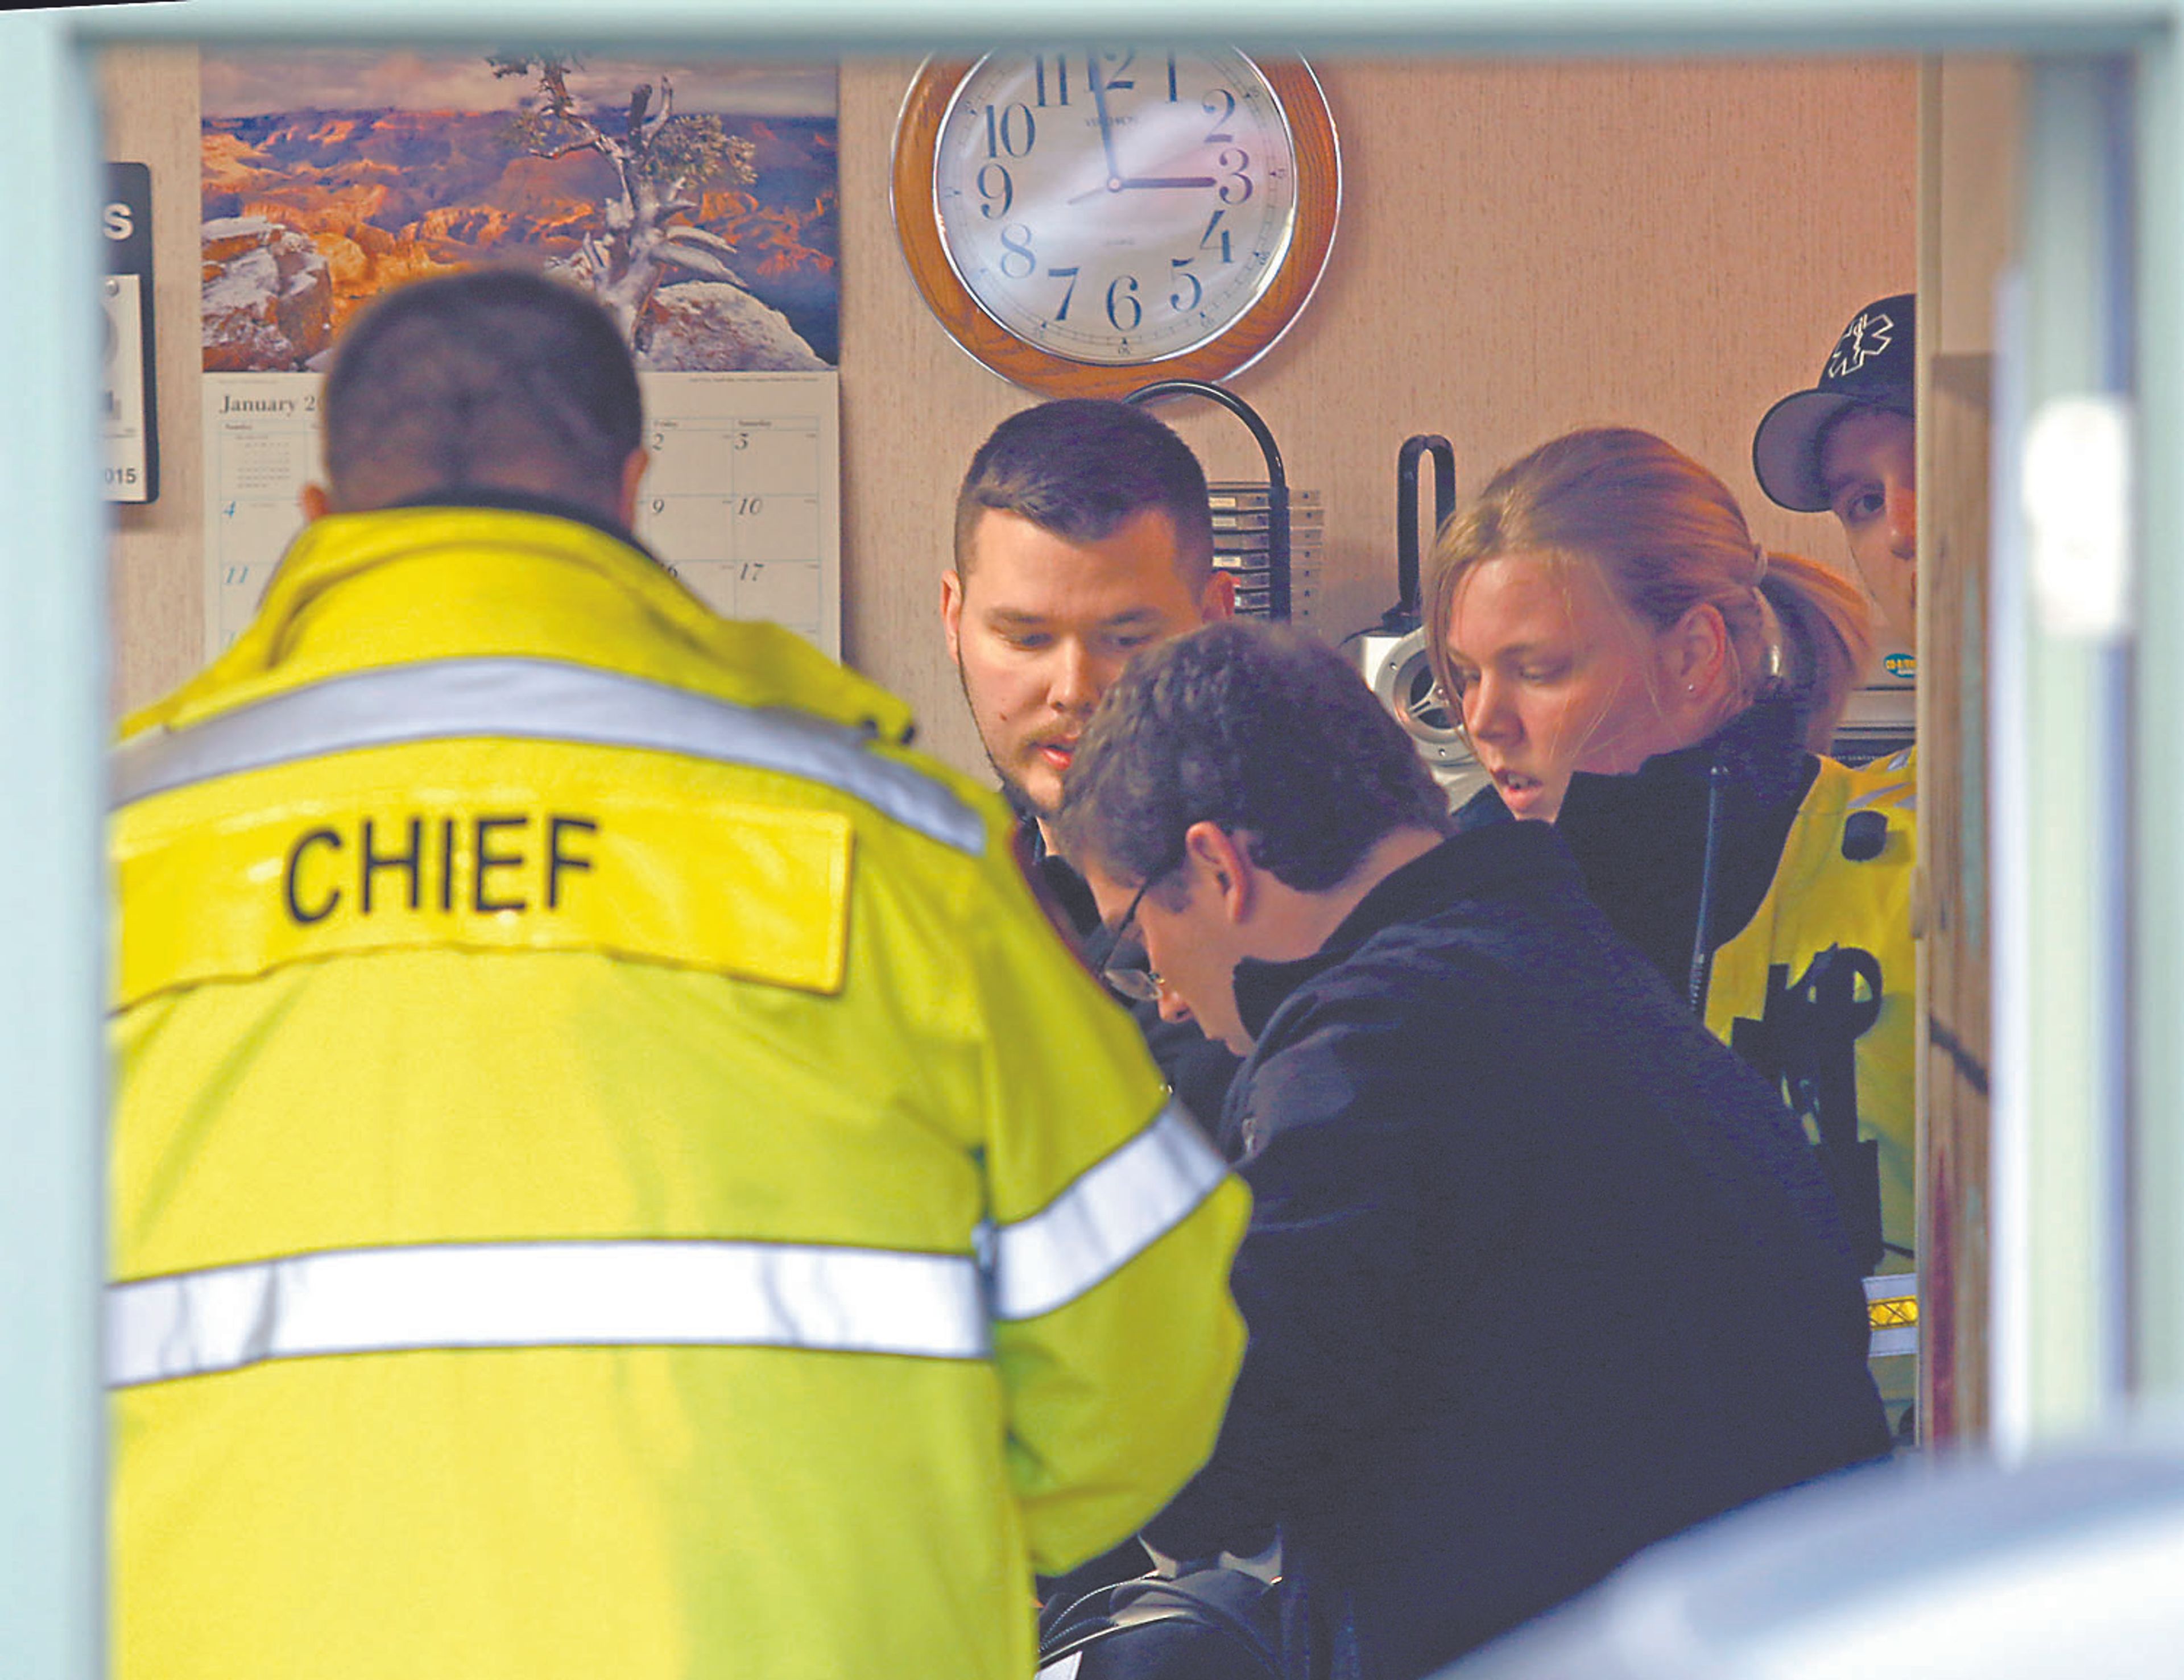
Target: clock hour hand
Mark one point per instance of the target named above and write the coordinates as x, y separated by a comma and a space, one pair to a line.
1112, 185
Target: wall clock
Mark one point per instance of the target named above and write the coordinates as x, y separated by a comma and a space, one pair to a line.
1085, 221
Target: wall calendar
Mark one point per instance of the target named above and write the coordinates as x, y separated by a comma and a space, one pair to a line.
740, 501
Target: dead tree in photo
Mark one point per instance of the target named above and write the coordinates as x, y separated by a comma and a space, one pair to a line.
660, 161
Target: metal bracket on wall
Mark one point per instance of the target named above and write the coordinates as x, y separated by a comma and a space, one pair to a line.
1278, 489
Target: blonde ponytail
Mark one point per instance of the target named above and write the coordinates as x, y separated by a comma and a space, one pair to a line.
1668, 535
1828, 630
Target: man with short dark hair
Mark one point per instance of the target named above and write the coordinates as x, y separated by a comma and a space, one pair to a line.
1849, 446
1081, 535
1539, 1272
613, 1174
502, 387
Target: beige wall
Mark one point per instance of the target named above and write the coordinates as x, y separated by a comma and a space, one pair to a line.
1523, 249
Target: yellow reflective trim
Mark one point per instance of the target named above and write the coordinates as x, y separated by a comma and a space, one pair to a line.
1892, 1314
570, 862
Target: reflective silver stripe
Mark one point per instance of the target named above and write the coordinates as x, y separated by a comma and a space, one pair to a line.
544, 1295
1116, 1209
536, 700
1894, 790
1887, 1341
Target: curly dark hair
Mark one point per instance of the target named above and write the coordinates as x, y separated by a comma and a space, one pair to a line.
1261, 730
1078, 468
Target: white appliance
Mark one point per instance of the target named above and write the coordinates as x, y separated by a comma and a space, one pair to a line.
1392, 654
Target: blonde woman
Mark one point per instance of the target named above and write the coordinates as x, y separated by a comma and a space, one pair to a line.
1631, 664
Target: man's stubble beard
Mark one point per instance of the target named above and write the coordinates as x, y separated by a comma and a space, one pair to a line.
1019, 796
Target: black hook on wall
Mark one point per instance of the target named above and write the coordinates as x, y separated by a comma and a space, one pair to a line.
1409, 612
1278, 487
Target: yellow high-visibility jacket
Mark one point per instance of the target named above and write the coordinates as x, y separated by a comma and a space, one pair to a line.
613, 1174
1839, 890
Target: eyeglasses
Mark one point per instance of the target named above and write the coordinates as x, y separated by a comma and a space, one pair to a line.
1139, 985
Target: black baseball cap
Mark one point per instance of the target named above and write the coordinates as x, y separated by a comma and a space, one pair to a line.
1872, 365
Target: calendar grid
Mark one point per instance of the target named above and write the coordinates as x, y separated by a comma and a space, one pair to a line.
739, 498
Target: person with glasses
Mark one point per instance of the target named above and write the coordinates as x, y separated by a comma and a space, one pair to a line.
1539, 1271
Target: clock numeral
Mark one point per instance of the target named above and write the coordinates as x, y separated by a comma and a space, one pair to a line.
1113, 82
1180, 268
1122, 296
1069, 274
1218, 135
1002, 131
1013, 253
1006, 191
1171, 78
1060, 79
1236, 175
1213, 223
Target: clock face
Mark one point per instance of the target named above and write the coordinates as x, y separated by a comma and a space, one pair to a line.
1114, 207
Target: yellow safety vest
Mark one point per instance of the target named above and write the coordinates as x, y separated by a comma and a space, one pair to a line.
613, 1174
1841, 899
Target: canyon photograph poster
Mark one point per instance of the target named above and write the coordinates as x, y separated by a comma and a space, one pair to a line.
698, 200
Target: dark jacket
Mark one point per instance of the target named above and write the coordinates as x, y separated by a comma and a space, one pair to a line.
1539, 1273
1641, 840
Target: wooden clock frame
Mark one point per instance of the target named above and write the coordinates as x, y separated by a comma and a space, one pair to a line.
1318, 160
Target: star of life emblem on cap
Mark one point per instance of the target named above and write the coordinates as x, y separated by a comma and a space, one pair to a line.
1863, 339
1872, 365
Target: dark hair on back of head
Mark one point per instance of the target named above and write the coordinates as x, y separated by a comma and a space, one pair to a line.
482, 379
1261, 730
1081, 467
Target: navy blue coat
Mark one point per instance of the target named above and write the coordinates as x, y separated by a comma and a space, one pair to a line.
1539, 1271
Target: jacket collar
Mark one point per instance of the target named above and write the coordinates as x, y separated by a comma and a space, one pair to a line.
1641, 840
1487, 862
527, 502
1767, 762
1073, 893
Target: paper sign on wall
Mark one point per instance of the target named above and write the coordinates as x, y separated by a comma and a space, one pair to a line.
127, 409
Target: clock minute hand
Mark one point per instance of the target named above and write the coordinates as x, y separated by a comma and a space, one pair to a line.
1099, 104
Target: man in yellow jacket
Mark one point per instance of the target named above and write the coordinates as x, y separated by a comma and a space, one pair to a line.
613, 1174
